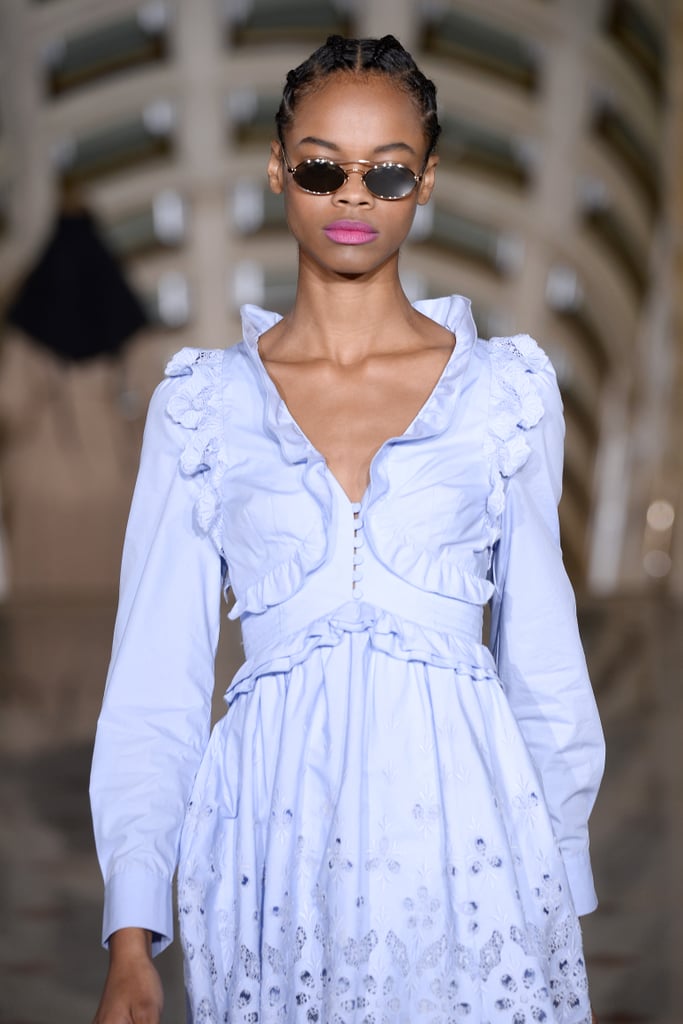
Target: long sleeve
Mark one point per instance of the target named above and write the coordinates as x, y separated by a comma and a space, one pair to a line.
155, 717
536, 643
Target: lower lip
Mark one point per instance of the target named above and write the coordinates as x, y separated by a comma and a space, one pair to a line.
345, 236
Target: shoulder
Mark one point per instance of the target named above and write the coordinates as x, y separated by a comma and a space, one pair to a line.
517, 354
189, 408
189, 405
525, 424
197, 382
204, 364
522, 380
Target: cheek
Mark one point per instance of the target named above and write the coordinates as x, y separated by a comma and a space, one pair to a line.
305, 213
401, 217
305, 205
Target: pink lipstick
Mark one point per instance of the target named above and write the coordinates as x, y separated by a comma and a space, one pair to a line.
350, 232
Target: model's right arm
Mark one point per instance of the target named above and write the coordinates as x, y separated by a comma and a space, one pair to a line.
132, 992
155, 717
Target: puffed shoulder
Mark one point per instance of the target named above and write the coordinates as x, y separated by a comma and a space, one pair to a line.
522, 383
195, 402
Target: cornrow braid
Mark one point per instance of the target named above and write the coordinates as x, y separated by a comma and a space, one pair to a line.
337, 43
384, 56
382, 46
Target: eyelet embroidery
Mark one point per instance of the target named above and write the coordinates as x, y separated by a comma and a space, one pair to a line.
438, 971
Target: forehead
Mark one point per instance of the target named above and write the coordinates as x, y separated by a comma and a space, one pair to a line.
352, 109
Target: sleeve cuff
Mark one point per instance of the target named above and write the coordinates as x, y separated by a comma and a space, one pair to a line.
139, 898
580, 877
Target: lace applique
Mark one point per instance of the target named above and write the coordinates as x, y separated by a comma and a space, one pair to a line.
515, 407
196, 404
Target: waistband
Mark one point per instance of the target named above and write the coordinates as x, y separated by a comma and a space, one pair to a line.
459, 619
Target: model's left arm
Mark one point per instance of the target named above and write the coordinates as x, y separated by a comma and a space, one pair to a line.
536, 643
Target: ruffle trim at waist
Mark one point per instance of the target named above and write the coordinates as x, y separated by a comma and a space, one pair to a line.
399, 638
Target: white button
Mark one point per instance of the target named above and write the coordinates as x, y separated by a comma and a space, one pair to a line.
357, 558
357, 593
357, 575
358, 542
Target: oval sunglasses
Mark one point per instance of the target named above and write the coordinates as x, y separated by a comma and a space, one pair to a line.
322, 177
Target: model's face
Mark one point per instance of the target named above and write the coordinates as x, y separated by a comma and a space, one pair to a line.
350, 118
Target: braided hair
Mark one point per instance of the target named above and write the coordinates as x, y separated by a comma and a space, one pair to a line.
383, 56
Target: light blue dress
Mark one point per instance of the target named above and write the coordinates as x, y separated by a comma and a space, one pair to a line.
389, 825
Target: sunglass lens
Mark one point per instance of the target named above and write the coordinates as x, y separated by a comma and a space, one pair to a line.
320, 176
392, 181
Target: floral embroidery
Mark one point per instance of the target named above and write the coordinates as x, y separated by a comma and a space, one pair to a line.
482, 859
421, 910
382, 860
297, 948
442, 977
338, 863
426, 818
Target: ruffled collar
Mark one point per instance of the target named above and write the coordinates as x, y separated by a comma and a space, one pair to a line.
453, 312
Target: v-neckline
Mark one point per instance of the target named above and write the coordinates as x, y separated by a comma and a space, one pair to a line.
454, 312
392, 439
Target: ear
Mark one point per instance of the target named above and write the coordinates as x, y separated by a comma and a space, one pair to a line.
276, 171
426, 186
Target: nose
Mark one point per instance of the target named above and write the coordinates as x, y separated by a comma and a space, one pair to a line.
353, 192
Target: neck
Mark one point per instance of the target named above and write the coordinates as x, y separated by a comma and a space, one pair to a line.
347, 318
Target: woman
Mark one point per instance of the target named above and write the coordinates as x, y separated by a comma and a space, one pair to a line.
390, 822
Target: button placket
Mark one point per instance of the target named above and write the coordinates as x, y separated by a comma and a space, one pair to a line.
357, 571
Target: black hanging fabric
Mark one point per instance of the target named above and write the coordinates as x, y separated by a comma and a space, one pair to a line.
76, 300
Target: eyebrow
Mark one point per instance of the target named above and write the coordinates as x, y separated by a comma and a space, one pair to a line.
386, 148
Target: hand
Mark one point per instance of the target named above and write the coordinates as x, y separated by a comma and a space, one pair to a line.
593, 1017
132, 991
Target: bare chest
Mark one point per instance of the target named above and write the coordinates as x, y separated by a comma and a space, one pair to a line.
348, 414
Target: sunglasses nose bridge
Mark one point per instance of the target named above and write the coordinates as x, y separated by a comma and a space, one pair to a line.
354, 183
355, 168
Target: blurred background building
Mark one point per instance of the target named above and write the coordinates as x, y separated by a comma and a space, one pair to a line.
558, 211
